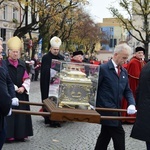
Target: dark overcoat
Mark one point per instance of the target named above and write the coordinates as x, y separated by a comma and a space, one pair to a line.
45, 73
111, 89
141, 128
5, 98
10, 84
19, 125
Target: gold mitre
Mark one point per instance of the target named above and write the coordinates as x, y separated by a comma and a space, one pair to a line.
55, 42
14, 43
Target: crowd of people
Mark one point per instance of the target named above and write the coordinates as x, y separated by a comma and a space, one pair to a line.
122, 83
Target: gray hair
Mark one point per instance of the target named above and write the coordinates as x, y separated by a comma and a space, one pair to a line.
121, 47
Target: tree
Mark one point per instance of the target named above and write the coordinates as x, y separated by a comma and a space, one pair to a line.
74, 27
60, 25
37, 14
86, 33
1, 1
136, 10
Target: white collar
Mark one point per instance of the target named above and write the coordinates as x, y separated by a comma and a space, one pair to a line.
115, 65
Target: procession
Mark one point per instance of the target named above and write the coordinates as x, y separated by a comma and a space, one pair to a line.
69, 82
70, 136
72, 94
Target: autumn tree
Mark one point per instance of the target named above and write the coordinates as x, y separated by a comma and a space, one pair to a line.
1, 1
136, 10
105, 39
60, 25
86, 32
37, 14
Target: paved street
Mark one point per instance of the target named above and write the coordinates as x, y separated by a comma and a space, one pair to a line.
71, 136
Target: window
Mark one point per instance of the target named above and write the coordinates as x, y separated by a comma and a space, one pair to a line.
14, 13
5, 12
3, 34
111, 29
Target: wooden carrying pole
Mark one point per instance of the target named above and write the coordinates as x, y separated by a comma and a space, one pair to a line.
68, 114
110, 109
31, 112
114, 117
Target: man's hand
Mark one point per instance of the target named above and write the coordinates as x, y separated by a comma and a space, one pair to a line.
131, 110
15, 101
20, 90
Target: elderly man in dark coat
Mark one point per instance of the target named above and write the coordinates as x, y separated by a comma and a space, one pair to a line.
5, 104
112, 86
141, 128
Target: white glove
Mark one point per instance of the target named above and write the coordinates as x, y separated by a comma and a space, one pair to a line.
10, 112
15, 101
131, 110
16, 87
92, 107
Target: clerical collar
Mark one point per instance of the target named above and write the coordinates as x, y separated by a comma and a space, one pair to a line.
13, 62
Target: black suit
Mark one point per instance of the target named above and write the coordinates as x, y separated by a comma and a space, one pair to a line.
5, 103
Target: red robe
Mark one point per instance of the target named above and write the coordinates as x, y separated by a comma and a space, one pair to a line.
134, 68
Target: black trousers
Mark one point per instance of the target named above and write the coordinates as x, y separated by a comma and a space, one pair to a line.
107, 132
2, 137
36, 75
148, 145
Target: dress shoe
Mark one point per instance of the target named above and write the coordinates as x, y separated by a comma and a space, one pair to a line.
20, 139
9, 140
55, 124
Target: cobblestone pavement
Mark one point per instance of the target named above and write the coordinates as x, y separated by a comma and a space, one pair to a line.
71, 136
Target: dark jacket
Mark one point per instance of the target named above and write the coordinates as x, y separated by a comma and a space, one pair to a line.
5, 98
10, 84
111, 89
45, 73
141, 128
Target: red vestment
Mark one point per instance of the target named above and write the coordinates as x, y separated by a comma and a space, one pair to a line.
134, 68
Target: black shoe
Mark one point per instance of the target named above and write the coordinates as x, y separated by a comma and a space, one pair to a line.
9, 140
20, 140
47, 121
55, 124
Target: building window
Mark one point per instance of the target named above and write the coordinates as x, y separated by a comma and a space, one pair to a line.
113, 42
5, 12
111, 29
3, 34
14, 13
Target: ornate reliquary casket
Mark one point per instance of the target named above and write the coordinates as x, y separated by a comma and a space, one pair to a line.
78, 84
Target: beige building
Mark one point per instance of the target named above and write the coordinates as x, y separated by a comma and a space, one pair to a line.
113, 32
8, 20
11, 16
104, 55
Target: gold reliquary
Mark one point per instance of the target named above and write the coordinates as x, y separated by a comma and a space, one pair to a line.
76, 84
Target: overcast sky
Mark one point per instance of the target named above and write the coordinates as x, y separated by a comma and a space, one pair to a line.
98, 9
